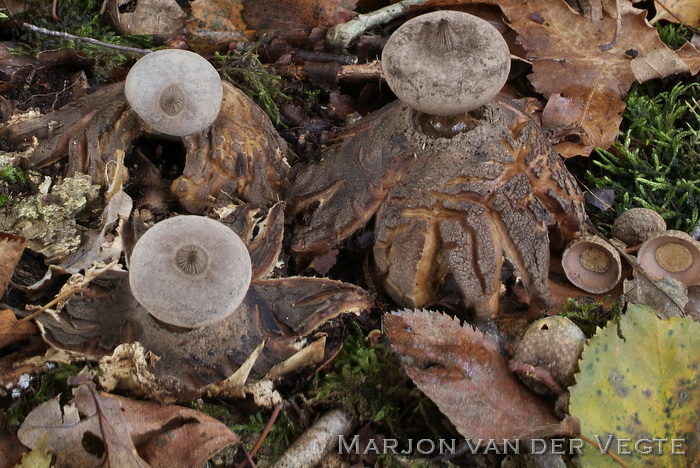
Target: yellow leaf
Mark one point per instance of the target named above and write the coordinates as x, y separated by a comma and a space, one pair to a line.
642, 387
39, 457
678, 11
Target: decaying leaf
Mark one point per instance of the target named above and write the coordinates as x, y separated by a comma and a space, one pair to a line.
131, 433
11, 449
217, 22
464, 373
585, 70
160, 18
678, 11
102, 420
12, 329
295, 18
11, 248
641, 385
668, 297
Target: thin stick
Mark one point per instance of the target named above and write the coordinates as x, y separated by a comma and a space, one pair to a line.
617, 459
54, 14
49, 32
265, 432
341, 35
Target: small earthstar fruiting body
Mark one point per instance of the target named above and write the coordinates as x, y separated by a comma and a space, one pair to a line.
446, 62
637, 225
592, 264
190, 271
547, 356
176, 92
671, 253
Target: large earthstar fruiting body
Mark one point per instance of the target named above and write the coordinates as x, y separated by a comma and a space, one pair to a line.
190, 271
174, 91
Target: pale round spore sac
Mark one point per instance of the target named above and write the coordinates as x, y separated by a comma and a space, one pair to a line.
176, 92
190, 271
446, 62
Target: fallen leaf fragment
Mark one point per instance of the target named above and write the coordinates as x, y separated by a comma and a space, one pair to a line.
160, 18
217, 22
678, 11
166, 436
586, 70
11, 248
640, 385
103, 420
465, 374
12, 329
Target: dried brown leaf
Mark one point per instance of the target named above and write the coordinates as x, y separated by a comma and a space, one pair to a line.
295, 18
218, 22
161, 18
586, 71
11, 248
12, 329
464, 373
165, 435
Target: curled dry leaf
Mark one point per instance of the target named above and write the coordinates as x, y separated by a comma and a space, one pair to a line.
463, 372
163, 434
11, 248
160, 18
217, 22
12, 329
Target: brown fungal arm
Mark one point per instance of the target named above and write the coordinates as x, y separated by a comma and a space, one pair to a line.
241, 154
340, 193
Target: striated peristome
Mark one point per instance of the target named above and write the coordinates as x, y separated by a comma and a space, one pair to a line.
176, 92
446, 62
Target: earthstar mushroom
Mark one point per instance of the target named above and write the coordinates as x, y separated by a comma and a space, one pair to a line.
190, 271
446, 63
592, 264
176, 92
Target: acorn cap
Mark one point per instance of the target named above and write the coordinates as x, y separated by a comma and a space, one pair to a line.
174, 91
592, 264
446, 62
190, 271
671, 253
636, 225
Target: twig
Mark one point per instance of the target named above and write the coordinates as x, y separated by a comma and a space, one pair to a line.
49, 32
617, 459
317, 441
263, 436
54, 14
357, 72
248, 459
341, 35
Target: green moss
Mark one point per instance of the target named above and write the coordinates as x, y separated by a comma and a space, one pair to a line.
247, 72
654, 162
80, 18
371, 386
589, 314
282, 433
4, 199
674, 35
13, 175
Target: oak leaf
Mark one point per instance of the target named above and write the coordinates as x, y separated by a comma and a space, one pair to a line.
11, 248
12, 329
585, 69
167, 435
464, 373
639, 383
